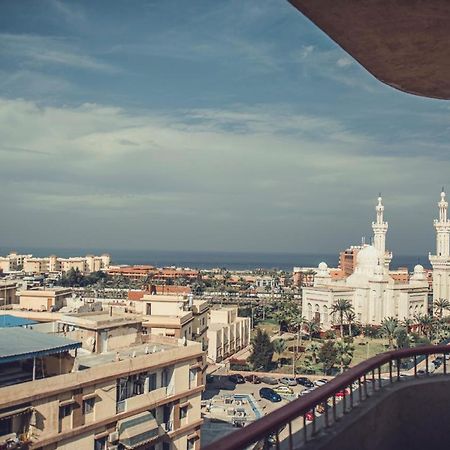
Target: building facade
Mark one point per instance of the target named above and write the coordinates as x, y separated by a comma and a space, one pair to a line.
372, 292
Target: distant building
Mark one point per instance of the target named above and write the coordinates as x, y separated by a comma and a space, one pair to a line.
370, 289
43, 299
347, 259
8, 292
53, 396
227, 333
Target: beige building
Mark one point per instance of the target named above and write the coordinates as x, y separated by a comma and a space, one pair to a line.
43, 299
175, 315
8, 294
12, 262
101, 332
54, 395
227, 333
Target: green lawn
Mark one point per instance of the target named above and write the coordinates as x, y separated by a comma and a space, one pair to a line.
364, 350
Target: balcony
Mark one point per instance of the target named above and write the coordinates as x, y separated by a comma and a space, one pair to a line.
391, 401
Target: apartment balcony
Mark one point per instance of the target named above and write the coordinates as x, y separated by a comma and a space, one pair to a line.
392, 401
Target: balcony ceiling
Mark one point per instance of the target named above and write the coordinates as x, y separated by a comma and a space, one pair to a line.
403, 43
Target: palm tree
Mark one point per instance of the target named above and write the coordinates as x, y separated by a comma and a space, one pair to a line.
341, 306
314, 350
441, 305
388, 327
279, 346
297, 322
408, 323
351, 316
427, 324
344, 353
313, 328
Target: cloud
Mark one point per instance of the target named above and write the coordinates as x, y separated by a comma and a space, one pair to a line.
344, 62
41, 50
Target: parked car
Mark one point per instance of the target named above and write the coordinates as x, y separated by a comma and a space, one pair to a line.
321, 382
309, 416
288, 381
269, 394
343, 393
306, 382
209, 378
269, 380
283, 390
253, 379
236, 378
304, 392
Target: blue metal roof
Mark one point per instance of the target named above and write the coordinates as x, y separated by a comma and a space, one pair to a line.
7, 321
21, 343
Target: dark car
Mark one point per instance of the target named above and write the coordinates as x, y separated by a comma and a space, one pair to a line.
253, 379
306, 382
237, 378
269, 380
269, 394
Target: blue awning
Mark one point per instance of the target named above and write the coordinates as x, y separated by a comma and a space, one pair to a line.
17, 344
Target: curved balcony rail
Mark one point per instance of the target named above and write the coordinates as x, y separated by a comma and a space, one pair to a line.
299, 422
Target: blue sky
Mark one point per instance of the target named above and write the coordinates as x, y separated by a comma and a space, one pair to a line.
234, 125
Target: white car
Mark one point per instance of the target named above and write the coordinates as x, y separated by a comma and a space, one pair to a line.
284, 390
320, 382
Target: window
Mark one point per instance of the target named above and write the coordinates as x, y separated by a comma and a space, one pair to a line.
166, 446
65, 411
100, 444
5, 426
152, 382
192, 378
130, 386
183, 412
88, 405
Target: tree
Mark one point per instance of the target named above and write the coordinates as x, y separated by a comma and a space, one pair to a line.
401, 337
440, 305
341, 307
314, 349
388, 327
327, 356
262, 351
350, 316
313, 328
427, 324
344, 354
279, 346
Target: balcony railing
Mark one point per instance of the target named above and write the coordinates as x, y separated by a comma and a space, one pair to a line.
297, 423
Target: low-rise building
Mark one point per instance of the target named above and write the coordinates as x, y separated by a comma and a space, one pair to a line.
227, 333
8, 292
54, 395
43, 299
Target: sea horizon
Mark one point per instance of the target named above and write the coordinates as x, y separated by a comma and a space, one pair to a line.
232, 260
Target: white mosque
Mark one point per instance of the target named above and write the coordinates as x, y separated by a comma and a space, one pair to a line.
371, 290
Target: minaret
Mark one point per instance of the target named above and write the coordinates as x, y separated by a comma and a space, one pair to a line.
380, 228
441, 260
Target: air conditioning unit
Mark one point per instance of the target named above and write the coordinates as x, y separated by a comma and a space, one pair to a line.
113, 437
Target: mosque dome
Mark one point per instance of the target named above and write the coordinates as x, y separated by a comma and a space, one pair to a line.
323, 266
367, 257
418, 268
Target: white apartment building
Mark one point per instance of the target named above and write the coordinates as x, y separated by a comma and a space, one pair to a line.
227, 333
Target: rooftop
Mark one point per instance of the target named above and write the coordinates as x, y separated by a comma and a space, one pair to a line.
99, 320
7, 321
17, 344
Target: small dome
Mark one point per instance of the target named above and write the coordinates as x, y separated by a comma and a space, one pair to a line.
418, 268
323, 266
367, 257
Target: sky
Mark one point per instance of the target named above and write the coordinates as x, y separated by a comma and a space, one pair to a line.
203, 125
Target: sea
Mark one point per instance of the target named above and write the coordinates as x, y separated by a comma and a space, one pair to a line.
208, 260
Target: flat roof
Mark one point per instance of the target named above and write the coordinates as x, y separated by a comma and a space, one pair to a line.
7, 321
17, 344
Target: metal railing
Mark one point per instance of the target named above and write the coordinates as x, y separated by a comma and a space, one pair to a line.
297, 423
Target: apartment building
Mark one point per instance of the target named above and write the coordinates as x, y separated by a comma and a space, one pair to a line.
43, 299
12, 262
227, 333
8, 292
175, 315
55, 395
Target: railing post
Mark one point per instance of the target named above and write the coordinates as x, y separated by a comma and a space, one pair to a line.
380, 383
415, 365
351, 396
359, 390
291, 444
334, 409
398, 361
373, 380
426, 365
305, 432
365, 386
314, 421
390, 370
344, 401
327, 420
445, 363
